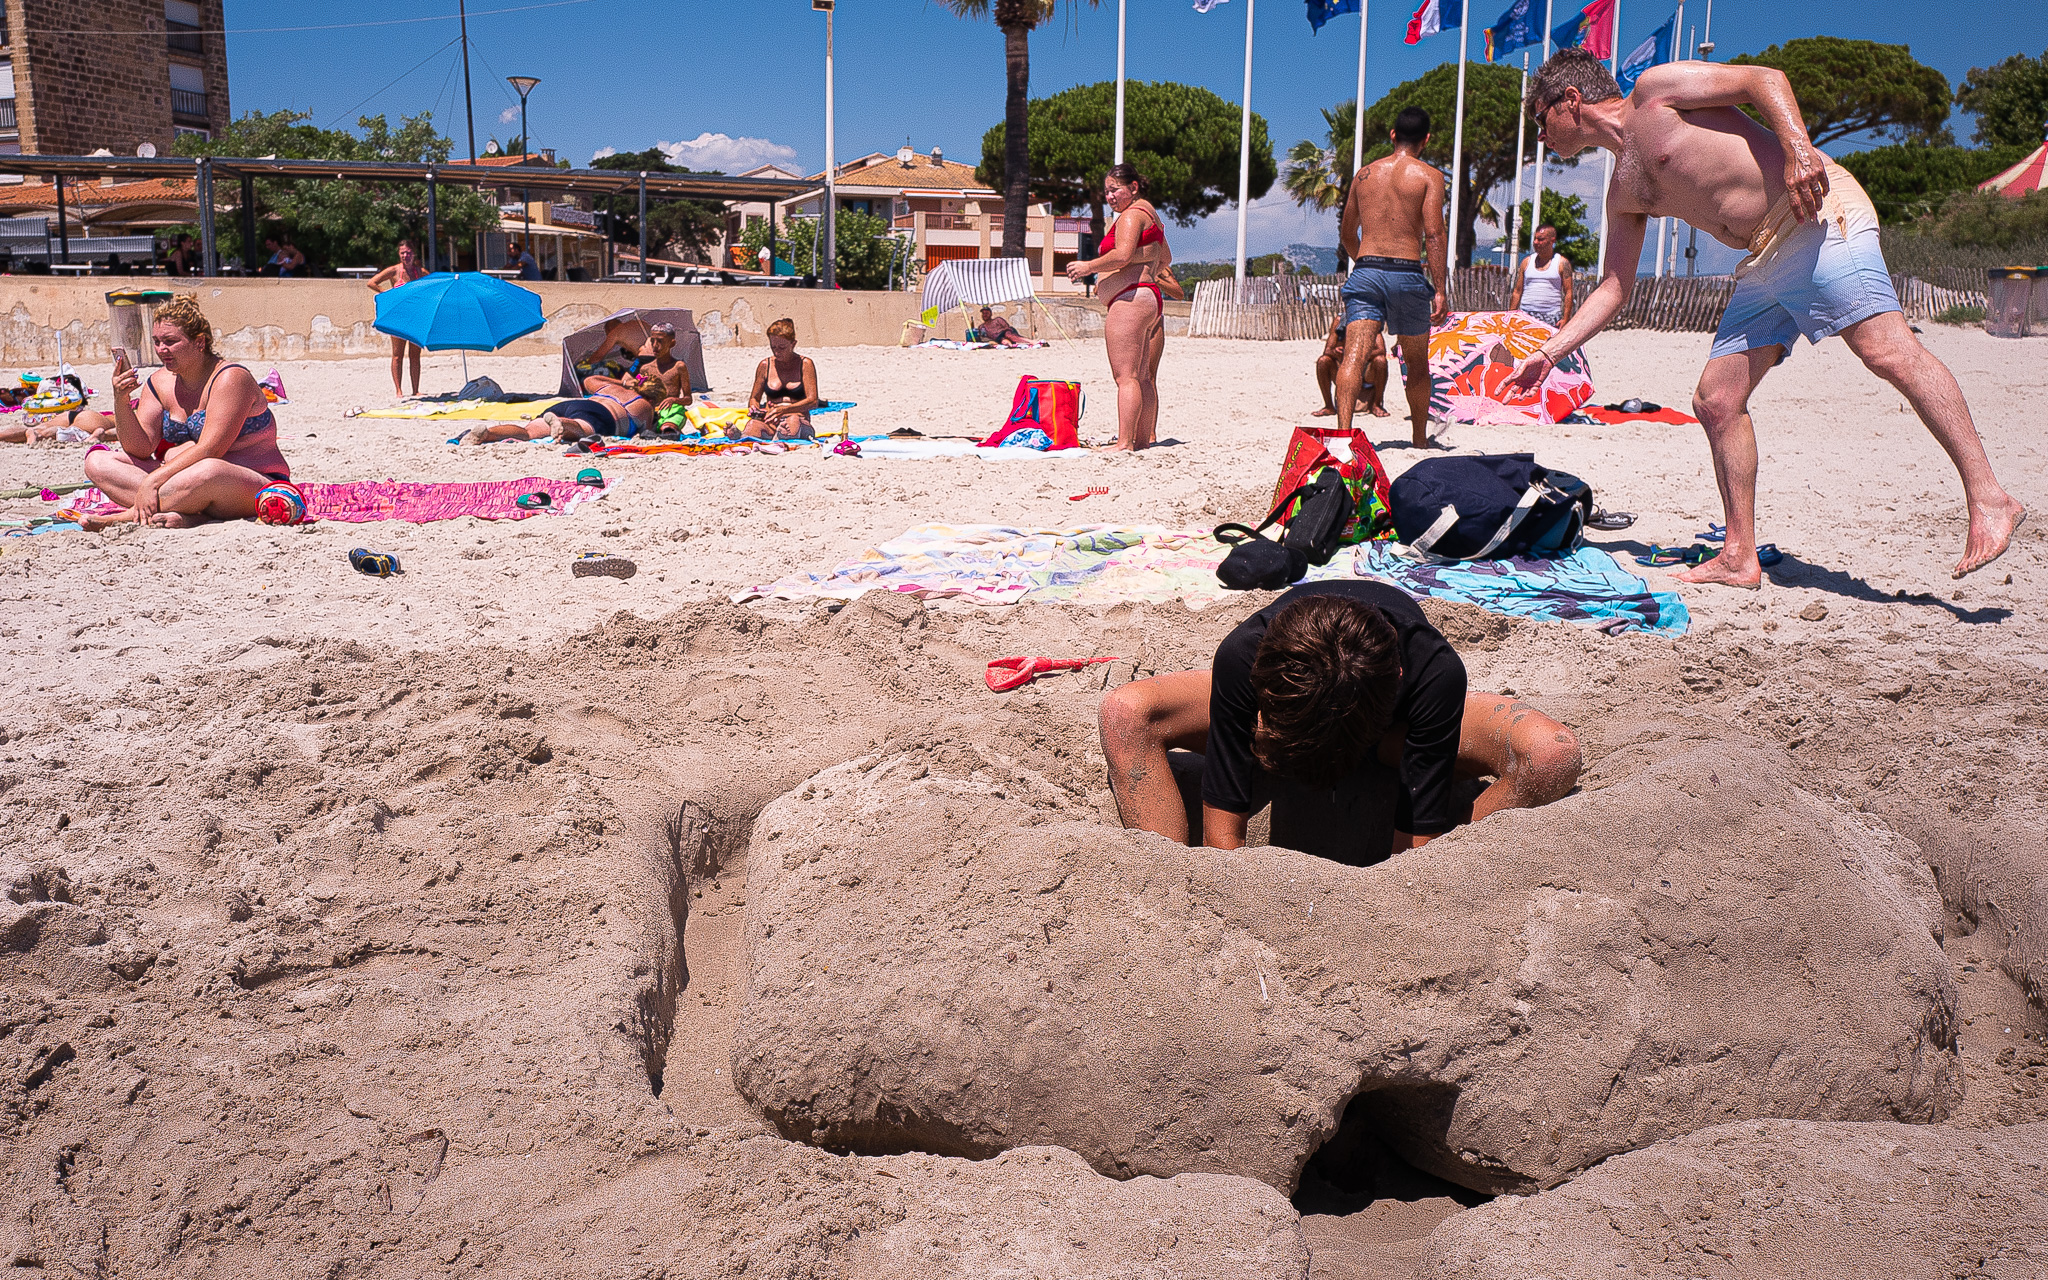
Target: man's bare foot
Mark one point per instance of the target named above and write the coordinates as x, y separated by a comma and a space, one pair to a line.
1378, 411
1990, 534
1325, 412
1726, 571
1118, 447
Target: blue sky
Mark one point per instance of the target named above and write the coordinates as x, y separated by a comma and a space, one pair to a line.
729, 84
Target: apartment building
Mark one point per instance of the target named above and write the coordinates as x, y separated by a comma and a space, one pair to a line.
78, 76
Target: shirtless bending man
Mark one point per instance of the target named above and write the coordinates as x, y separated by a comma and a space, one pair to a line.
1396, 206
1683, 148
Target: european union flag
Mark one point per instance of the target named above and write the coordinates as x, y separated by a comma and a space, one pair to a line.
1321, 11
1518, 28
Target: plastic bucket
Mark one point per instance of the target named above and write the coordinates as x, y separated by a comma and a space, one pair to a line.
131, 318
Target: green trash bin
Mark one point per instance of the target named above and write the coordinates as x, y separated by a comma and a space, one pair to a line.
2011, 295
131, 316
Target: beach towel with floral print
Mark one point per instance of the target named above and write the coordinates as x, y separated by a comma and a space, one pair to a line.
1472, 358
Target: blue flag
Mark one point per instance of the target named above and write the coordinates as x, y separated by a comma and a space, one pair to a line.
1518, 28
1321, 11
1653, 52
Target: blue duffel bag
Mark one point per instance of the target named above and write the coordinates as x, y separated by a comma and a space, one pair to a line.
1490, 507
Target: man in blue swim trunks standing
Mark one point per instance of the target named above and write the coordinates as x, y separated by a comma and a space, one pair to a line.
1396, 206
1682, 147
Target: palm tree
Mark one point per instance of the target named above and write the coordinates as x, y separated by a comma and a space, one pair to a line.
1017, 19
1321, 176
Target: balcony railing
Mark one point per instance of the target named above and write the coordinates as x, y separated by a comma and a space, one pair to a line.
7, 114
972, 221
183, 38
185, 104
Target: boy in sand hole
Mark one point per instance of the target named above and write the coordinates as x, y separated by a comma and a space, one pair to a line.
1682, 146
1342, 707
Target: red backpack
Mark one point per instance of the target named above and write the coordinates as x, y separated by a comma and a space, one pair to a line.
1051, 406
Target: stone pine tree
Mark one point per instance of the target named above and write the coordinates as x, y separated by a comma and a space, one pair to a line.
1847, 87
1493, 96
2010, 101
1016, 19
1183, 138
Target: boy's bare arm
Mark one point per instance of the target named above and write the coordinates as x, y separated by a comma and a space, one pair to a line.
1696, 86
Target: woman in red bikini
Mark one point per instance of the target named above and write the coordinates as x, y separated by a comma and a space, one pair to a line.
201, 444
1128, 266
406, 271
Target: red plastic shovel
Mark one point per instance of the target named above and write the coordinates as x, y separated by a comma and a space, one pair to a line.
1005, 674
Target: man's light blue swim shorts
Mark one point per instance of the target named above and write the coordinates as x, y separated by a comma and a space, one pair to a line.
1826, 276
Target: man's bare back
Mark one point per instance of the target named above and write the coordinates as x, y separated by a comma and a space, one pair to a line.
1384, 216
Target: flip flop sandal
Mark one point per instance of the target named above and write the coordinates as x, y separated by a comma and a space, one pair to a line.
1668, 557
1768, 554
591, 476
378, 564
1611, 520
537, 501
592, 565
1714, 533
847, 448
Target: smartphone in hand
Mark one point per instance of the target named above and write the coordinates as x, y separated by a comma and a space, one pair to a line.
121, 364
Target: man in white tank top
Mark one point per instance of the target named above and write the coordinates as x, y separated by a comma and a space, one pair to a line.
1543, 284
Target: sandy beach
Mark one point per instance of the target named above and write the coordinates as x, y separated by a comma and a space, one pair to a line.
332, 903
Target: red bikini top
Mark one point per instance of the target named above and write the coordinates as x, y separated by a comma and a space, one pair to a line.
1152, 234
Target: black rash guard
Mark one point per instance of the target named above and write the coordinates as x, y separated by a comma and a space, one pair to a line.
1431, 706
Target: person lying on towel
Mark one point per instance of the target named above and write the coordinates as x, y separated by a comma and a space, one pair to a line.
994, 328
655, 374
785, 391
1343, 708
614, 411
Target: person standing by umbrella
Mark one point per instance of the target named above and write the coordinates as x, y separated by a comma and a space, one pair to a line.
404, 272
459, 311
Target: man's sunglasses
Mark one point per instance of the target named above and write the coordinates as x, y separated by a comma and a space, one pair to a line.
1542, 117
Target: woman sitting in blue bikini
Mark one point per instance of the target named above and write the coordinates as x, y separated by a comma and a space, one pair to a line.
202, 442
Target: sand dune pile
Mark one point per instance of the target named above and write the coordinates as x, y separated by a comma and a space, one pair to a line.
638, 933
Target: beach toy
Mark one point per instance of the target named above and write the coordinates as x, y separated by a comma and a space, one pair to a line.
273, 388
847, 448
30, 378
592, 565
378, 564
1005, 674
54, 396
281, 503
1093, 491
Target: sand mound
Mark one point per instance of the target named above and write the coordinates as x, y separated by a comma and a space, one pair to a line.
1844, 1200
943, 955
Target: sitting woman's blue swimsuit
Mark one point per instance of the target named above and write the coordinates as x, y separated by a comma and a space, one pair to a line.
187, 432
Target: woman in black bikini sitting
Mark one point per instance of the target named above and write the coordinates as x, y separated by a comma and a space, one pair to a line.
201, 444
1129, 267
785, 391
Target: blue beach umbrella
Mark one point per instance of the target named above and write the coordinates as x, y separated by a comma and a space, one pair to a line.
459, 311
466, 311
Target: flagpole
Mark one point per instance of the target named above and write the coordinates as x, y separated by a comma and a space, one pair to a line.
1521, 133
1120, 80
1607, 171
1458, 146
1244, 144
1536, 200
1358, 108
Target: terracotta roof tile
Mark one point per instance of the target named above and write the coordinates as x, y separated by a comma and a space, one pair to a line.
92, 195
922, 175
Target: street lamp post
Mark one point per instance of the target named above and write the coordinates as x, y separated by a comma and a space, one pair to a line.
525, 84
827, 270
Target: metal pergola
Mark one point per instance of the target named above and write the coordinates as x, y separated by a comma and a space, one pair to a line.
205, 171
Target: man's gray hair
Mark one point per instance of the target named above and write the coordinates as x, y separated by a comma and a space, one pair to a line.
1570, 69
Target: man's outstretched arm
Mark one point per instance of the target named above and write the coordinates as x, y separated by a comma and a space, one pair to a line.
1624, 248
1695, 86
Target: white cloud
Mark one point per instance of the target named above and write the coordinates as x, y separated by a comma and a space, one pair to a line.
602, 152
726, 153
508, 115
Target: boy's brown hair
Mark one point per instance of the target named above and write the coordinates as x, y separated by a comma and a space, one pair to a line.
1325, 678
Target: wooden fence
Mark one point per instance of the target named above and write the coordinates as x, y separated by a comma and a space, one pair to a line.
1279, 308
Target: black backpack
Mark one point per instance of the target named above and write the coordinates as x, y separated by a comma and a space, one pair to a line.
1313, 536
1489, 507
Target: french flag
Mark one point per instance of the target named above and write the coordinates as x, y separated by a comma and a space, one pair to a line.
1434, 16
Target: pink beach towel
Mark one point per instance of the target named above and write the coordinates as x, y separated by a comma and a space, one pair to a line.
363, 501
